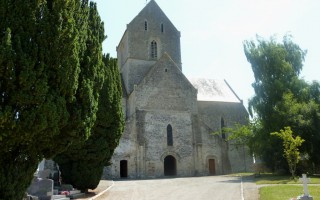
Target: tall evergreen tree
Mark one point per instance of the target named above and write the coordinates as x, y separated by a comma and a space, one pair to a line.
47, 94
82, 165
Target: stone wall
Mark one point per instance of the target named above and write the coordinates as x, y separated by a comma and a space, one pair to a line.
155, 136
126, 150
166, 88
123, 51
231, 158
133, 71
212, 112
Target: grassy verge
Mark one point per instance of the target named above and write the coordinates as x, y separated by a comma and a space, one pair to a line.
276, 179
285, 192
243, 174
283, 187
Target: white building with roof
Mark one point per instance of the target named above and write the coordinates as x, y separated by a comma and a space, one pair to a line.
170, 119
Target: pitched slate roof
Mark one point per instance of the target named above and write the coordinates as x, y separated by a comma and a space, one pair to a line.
214, 90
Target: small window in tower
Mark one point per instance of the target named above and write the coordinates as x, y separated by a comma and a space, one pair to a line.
169, 135
166, 70
154, 50
223, 134
145, 25
162, 29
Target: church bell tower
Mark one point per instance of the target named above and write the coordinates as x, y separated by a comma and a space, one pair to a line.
147, 37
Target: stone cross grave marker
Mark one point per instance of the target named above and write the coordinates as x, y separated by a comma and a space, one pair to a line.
305, 181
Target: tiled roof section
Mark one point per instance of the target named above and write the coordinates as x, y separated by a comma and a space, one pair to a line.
214, 90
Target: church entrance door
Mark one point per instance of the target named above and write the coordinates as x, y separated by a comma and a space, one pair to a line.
170, 166
212, 167
123, 168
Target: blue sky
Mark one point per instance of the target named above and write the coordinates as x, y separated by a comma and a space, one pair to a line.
213, 31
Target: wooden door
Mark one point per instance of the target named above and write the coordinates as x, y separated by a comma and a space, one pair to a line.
212, 167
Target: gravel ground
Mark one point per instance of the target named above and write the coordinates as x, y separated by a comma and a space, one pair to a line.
212, 187
250, 189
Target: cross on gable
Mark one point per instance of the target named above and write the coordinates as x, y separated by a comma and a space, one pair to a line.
305, 181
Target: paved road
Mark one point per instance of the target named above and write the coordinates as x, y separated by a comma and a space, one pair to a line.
195, 188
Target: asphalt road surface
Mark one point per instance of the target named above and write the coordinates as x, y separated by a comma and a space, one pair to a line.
193, 188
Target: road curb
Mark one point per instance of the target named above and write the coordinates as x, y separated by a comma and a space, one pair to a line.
104, 191
241, 192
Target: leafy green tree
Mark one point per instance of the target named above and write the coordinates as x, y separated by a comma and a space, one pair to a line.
291, 146
314, 128
240, 134
47, 94
276, 67
82, 165
302, 117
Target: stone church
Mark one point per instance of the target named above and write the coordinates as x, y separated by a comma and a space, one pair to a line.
170, 118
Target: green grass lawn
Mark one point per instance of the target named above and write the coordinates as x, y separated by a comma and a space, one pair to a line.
282, 188
285, 192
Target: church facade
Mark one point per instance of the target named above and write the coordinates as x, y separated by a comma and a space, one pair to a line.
170, 118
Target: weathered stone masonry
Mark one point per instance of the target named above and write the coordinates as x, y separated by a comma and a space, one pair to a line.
169, 118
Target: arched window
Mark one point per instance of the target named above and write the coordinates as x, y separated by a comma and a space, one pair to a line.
154, 50
223, 134
145, 25
169, 135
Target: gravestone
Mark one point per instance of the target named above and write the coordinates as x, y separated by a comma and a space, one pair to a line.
55, 176
41, 188
41, 165
306, 195
66, 187
44, 174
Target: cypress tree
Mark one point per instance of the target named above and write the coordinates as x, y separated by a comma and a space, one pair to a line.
82, 164
48, 95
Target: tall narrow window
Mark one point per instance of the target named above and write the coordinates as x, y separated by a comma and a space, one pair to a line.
123, 168
162, 28
145, 25
169, 135
223, 134
154, 49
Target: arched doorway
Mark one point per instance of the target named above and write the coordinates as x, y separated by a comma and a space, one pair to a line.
123, 168
170, 166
